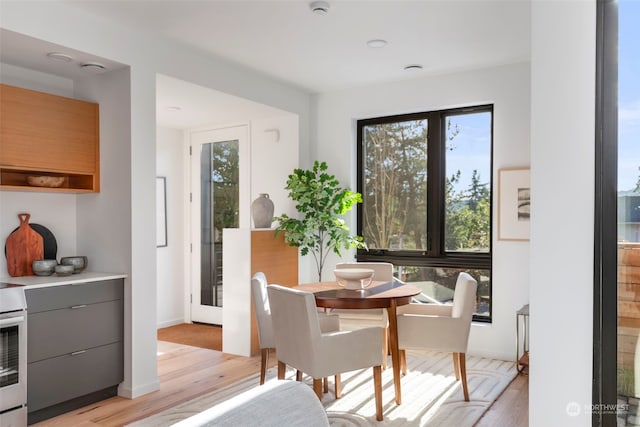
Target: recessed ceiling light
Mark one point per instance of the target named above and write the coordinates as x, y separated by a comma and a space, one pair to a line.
174, 108
93, 67
319, 7
377, 43
59, 56
413, 67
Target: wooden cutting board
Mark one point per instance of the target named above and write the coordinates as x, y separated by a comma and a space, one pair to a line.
24, 246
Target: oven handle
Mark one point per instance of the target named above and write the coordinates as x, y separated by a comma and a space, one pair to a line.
11, 321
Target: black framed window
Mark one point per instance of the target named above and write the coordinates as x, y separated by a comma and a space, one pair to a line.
426, 182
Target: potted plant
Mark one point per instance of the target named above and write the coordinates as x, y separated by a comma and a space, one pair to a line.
321, 204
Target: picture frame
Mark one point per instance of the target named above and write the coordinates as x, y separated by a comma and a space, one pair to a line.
514, 204
161, 211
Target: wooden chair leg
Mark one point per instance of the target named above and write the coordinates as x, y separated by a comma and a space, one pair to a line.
385, 347
377, 386
282, 367
298, 375
326, 384
403, 361
456, 365
338, 386
264, 358
463, 376
317, 387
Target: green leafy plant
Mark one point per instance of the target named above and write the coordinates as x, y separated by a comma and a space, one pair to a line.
321, 203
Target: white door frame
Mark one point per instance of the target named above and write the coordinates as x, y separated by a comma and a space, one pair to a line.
198, 312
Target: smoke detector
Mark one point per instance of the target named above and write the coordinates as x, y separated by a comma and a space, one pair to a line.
319, 7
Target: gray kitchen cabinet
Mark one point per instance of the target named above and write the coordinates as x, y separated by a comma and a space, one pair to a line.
74, 346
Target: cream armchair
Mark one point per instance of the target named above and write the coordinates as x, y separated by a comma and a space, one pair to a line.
262, 312
263, 319
441, 327
353, 319
301, 344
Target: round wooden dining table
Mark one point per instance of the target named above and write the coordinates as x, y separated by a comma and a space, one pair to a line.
387, 295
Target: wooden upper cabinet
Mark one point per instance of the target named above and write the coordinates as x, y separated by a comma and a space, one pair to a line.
48, 135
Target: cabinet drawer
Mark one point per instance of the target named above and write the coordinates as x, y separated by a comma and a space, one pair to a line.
57, 297
66, 377
57, 332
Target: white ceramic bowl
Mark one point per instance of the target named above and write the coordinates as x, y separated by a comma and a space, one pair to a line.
354, 278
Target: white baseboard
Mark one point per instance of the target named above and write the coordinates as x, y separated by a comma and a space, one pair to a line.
129, 393
167, 323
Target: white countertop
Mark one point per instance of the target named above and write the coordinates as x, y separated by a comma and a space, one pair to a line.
54, 280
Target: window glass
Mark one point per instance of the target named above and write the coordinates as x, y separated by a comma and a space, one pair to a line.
438, 284
628, 168
395, 185
468, 182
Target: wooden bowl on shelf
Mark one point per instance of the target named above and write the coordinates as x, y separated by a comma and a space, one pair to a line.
45, 181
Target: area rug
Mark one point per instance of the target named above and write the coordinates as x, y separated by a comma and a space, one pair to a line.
431, 396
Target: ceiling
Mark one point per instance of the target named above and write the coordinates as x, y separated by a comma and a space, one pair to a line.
199, 106
285, 39
329, 52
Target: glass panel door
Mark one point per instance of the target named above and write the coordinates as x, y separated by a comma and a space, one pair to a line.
218, 168
628, 355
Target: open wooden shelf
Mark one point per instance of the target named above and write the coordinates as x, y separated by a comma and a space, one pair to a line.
16, 179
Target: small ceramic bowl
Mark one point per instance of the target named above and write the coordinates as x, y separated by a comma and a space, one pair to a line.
79, 263
43, 267
64, 270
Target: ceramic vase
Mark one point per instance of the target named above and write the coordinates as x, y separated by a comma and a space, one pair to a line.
262, 211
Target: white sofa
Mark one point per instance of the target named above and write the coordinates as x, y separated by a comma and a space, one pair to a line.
274, 404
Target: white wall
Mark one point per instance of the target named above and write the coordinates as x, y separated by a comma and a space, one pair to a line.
62, 24
273, 158
35, 80
562, 194
103, 222
507, 88
170, 155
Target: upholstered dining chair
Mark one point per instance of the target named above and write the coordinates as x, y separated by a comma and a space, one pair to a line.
302, 345
262, 312
440, 327
353, 319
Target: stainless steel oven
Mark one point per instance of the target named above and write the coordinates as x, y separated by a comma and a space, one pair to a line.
13, 356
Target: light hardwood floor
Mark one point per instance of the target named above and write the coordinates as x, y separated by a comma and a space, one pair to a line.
186, 372
512, 407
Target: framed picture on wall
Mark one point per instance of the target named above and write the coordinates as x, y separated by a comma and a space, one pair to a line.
161, 211
514, 204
